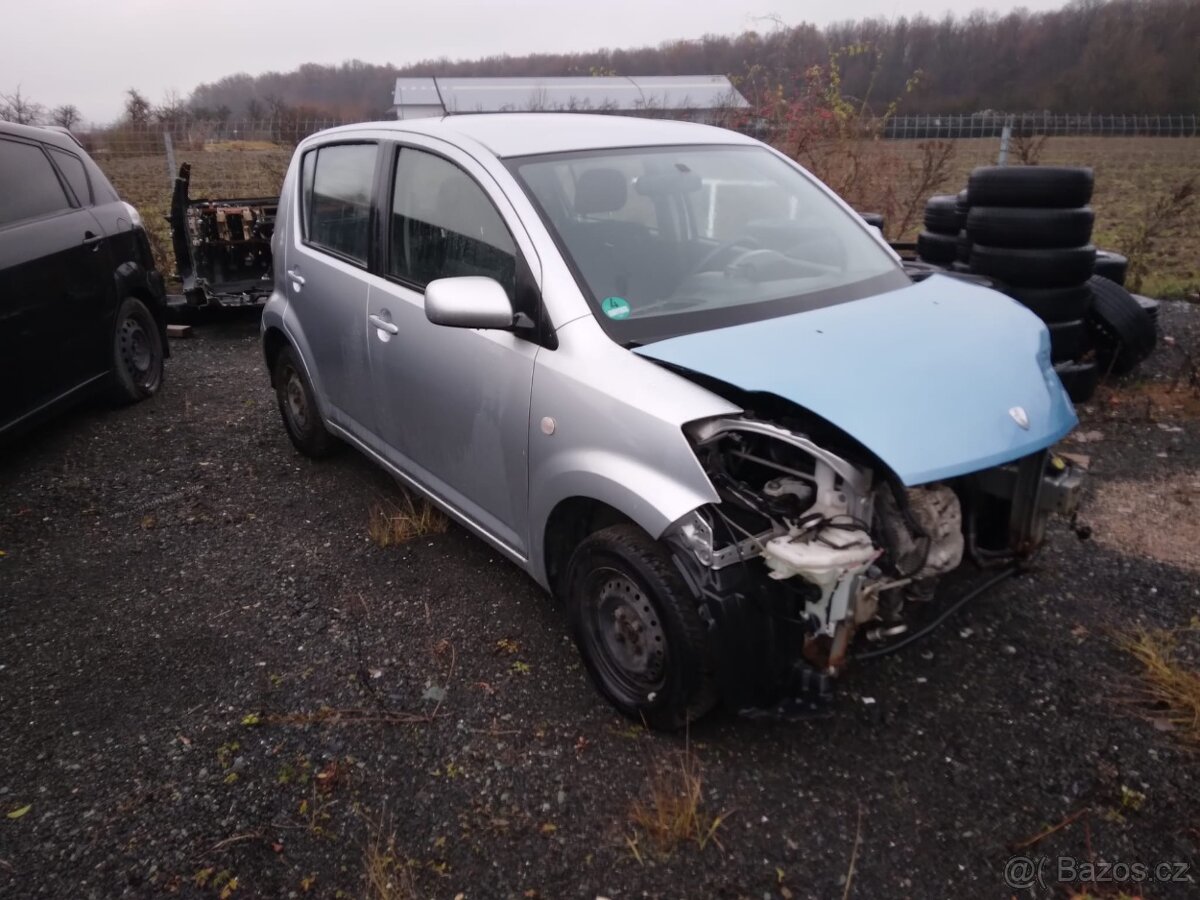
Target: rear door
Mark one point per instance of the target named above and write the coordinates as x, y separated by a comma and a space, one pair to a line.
327, 262
54, 275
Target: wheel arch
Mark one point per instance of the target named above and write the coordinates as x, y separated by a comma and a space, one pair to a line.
569, 523
273, 341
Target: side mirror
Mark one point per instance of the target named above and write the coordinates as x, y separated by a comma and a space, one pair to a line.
469, 301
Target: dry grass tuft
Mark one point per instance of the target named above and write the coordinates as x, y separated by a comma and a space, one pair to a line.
385, 871
394, 522
1169, 692
670, 811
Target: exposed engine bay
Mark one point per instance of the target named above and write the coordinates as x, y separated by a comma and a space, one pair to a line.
810, 550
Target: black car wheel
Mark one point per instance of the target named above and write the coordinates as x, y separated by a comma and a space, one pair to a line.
298, 406
1123, 330
1040, 268
137, 354
1044, 186
638, 629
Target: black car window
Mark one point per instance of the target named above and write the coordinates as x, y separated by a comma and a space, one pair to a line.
72, 168
29, 186
337, 183
443, 225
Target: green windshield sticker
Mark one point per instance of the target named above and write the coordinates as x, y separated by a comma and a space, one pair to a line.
615, 307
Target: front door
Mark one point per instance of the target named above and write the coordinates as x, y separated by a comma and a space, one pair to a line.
451, 404
55, 282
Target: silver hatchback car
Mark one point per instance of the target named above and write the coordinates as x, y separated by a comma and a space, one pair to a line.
674, 378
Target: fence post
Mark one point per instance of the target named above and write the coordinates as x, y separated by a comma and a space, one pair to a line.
1005, 136
170, 148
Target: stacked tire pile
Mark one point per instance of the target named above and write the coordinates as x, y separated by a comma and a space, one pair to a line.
939, 243
1028, 229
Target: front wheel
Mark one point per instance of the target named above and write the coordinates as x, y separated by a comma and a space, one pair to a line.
137, 354
638, 629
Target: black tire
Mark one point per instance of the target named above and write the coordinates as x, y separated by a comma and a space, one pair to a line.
1112, 266
298, 407
1041, 186
1054, 304
871, 218
1068, 340
1150, 306
998, 226
1123, 332
937, 248
1034, 268
962, 247
1079, 379
942, 215
638, 629
137, 354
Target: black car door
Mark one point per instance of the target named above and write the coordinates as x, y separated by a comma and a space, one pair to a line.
54, 275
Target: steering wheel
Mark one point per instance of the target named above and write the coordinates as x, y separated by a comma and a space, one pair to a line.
706, 264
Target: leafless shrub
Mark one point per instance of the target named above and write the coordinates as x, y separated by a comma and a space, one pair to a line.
1161, 211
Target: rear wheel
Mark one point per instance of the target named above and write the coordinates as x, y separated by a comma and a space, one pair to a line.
638, 629
298, 406
137, 354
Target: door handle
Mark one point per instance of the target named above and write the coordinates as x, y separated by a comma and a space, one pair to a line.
383, 324
91, 239
295, 276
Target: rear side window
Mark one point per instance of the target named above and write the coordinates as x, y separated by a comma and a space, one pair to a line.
337, 198
29, 186
72, 168
443, 225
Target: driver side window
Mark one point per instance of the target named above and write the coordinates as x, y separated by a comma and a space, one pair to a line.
443, 225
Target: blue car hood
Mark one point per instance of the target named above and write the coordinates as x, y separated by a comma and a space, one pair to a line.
924, 377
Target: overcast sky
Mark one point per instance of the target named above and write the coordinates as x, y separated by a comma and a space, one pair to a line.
89, 53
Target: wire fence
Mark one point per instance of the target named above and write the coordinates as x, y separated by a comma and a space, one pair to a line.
993, 124
240, 159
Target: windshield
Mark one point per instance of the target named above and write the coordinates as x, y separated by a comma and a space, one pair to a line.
672, 240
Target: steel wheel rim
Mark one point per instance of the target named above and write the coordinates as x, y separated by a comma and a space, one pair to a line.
626, 636
295, 399
136, 350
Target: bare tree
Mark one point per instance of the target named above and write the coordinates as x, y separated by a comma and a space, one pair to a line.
173, 110
137, 107
66, 115
19, 109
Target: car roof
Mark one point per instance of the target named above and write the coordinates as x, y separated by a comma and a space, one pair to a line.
529, 134
47, 134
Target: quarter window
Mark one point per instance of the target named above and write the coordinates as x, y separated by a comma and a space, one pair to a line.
29, 187
443, 225
337, 183
72, 168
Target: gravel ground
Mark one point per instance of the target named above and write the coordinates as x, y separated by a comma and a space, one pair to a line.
213, 684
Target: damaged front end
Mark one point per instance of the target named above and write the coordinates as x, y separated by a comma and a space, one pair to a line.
810, 550
222, 247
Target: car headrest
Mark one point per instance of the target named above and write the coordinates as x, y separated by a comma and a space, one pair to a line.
600, 191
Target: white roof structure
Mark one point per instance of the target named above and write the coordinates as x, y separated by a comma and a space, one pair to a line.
694, 96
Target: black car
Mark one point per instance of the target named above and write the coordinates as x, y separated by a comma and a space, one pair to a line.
81, 304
